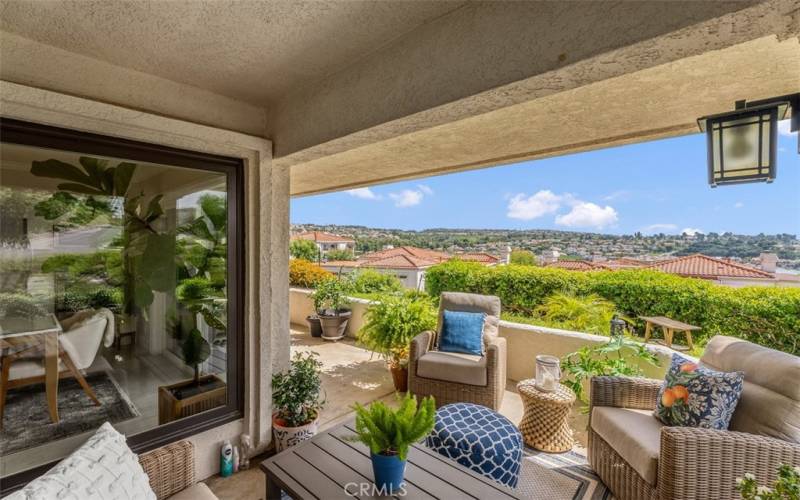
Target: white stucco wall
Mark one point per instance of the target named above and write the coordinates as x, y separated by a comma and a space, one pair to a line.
266, 231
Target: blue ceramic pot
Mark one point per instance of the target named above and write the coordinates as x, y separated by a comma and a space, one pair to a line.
389, 471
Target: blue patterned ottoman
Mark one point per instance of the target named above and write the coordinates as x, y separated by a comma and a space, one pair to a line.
480, 439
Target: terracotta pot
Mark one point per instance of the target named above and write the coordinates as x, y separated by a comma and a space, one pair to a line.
286, 437
334, 325
399, 377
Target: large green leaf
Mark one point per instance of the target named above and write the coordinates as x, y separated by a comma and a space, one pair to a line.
154, 210
122, 177
96, 169
55, 169
195, 348
80, 188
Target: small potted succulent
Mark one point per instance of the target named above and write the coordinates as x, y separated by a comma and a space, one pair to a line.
330, 300
390, 324
389, 434
297, 402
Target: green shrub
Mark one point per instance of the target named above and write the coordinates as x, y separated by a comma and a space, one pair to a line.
523, 258
305, 274
304, 249
587, 313
372, 281
764, 315
337, 254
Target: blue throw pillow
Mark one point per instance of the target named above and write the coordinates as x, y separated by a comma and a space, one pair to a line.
462, 332
697, 396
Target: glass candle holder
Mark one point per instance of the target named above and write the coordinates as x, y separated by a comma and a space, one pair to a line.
548, 372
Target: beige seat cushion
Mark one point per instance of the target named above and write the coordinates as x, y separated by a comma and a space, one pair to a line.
453, 367
770, 402
634, 434
197, 491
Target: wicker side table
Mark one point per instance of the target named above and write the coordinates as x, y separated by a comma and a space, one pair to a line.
545, 424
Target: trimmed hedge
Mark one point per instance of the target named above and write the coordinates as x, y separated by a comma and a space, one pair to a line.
765, 315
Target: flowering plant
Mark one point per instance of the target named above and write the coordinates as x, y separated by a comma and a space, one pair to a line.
786, 487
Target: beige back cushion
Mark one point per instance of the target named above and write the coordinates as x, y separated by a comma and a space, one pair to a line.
770, 402
471, 302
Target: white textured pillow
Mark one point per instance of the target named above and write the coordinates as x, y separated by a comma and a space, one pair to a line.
104, 468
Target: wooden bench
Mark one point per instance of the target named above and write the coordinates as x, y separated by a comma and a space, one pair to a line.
670, 326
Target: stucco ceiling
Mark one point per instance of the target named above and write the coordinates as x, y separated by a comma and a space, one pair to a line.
250, 50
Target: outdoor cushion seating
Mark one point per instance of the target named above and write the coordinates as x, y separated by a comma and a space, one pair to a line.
454, 377
453, 367
694, 462
478, 438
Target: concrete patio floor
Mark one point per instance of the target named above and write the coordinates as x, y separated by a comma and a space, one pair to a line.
350, 375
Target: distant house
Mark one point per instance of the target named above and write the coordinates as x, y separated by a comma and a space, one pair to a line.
407, 263
723, 272
327, 241
578, 265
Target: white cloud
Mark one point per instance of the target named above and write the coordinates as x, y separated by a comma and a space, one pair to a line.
660, 228
691, 231
407, 198
526, 208
585, 214
363, 193
783, 128
425, 189
621, 195
738, 204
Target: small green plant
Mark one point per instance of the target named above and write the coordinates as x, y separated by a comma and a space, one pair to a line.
296, 391
20, 305
330, 297
786, 487
392, 322
372, 281
392, 432
612, 358
304, 249
589, 313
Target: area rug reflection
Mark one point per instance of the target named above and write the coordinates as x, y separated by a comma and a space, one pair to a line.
26, 423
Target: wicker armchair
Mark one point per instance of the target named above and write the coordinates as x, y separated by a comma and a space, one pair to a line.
171, 472
453, 378
638, 458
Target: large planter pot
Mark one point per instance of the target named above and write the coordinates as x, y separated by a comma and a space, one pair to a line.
286, 437
186, 398
388, 471
333, 326
314, 326
399, 377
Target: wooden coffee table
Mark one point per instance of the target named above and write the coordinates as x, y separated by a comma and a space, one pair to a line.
329, 463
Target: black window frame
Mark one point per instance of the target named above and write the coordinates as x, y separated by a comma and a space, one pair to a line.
45, 136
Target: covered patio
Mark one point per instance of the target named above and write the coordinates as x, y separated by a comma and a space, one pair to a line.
292, 99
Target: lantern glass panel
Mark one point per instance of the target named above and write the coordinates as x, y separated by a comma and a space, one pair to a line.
741, 147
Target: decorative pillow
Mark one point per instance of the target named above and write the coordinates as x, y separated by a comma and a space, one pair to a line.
462, 332
103, 468
697, 396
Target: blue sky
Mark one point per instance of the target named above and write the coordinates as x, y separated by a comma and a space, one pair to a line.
659, 186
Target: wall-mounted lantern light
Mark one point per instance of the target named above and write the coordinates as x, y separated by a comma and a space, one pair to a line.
742, 143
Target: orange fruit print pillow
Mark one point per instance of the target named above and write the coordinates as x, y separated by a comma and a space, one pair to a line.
697, 396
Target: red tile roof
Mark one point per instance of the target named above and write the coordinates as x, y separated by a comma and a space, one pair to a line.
577, 265
483, 258
322, 237
433, 256
703, 266
625, 263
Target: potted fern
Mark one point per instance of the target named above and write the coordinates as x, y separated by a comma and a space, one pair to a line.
389, 433
390, 324
330, 299
297, 402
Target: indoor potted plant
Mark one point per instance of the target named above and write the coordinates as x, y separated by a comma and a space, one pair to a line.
390, 324
296, 397
198, 394
389, 433
330, 299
